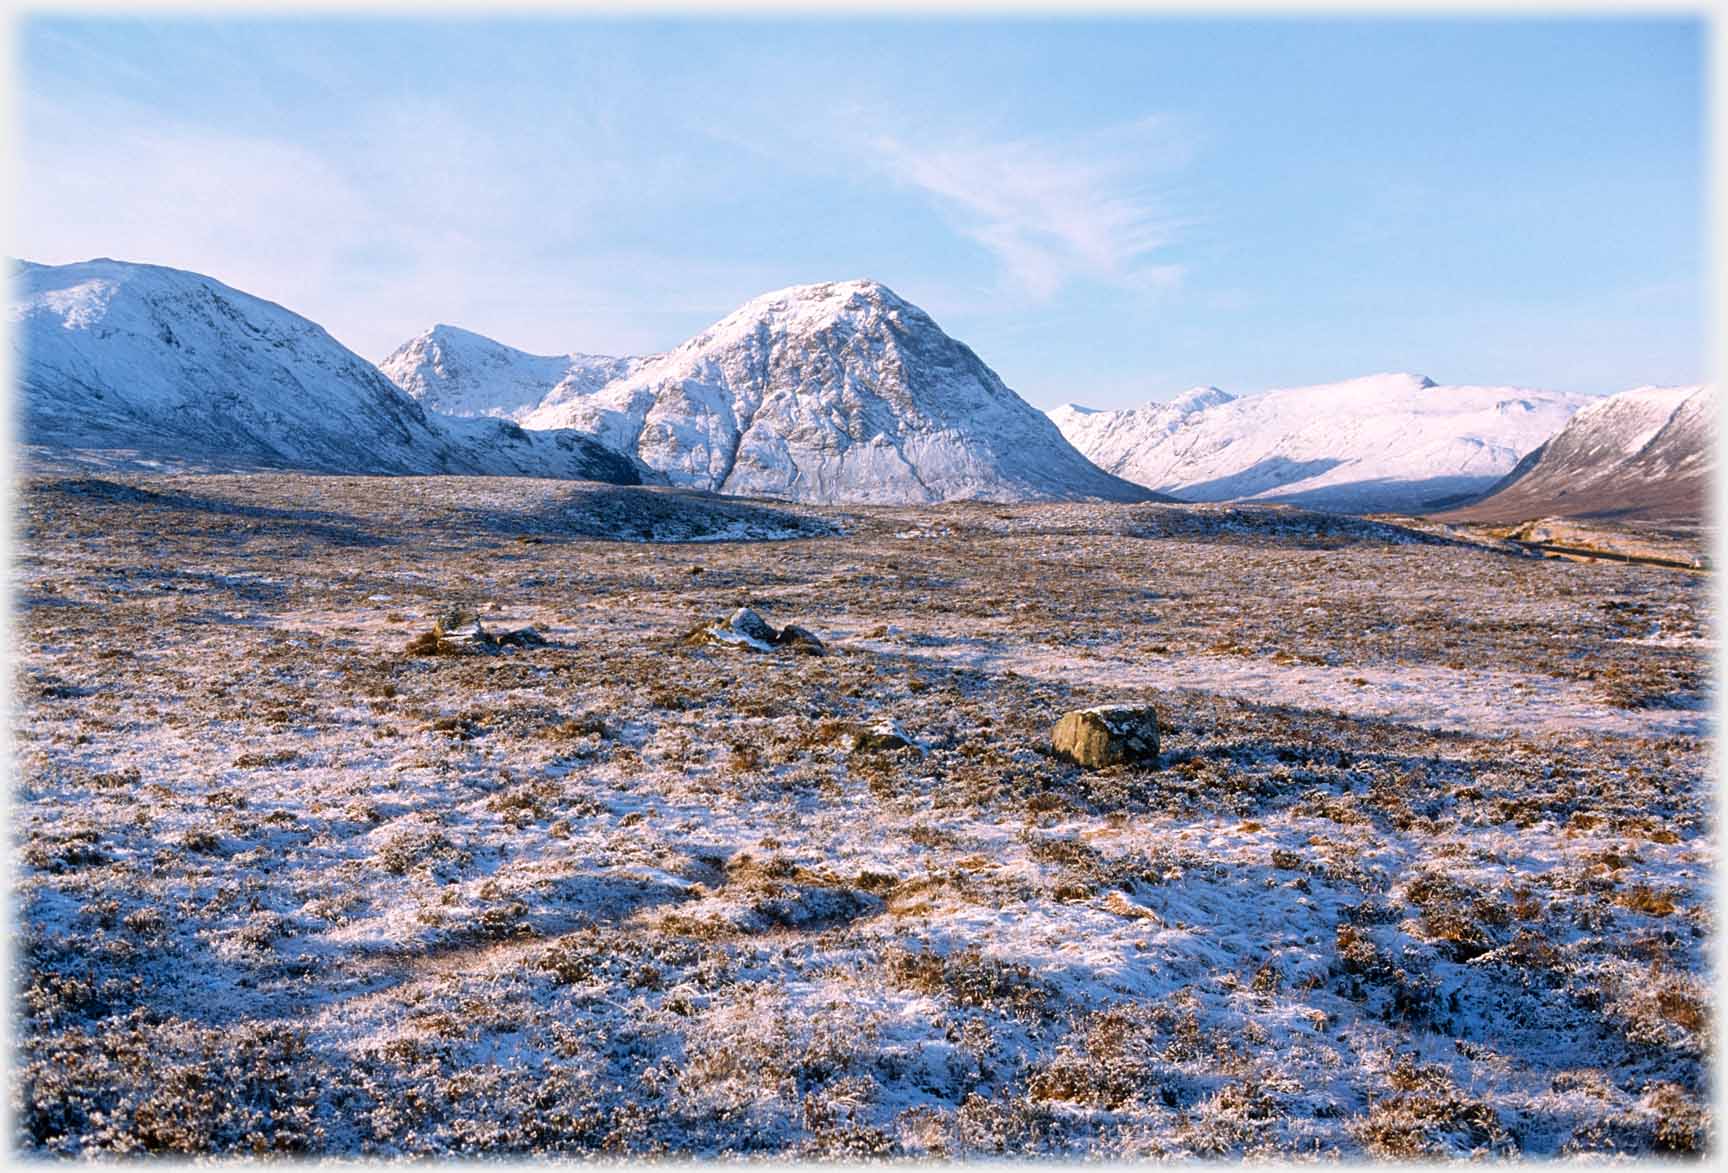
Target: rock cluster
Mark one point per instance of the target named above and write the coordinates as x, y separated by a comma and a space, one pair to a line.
746, 629
885, 736
456, 630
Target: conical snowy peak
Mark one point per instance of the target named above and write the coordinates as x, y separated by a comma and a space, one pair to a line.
168, 364
1199, 398
1646, 453
834, 392
1393, 441
797, 308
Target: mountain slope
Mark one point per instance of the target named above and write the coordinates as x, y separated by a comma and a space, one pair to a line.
461, 373
1644, 454
173, 365
1113, 439
839, 392
1382, 442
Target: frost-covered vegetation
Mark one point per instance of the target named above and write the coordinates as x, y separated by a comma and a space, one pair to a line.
1423, 868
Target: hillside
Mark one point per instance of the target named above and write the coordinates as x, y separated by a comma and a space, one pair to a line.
161, 365
1643, 455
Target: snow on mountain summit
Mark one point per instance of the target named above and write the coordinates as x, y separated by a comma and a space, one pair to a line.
834, 392
1197, 398
841, 391
1110, 438
458, 372
170, 364
1388, 441
136, 355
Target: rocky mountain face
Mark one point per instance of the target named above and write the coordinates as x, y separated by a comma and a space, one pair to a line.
840, 392
167, 365
461, 373
1382, 442
1642, 455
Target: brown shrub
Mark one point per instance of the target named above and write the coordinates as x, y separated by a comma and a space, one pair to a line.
1646, 900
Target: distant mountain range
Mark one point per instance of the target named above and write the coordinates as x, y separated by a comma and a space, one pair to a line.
1393, 442
1642, 455
828, 393
838, 392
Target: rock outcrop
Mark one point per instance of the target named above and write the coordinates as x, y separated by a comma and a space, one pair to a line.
1108, 735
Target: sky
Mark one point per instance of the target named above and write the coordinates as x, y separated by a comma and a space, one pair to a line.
1107, 211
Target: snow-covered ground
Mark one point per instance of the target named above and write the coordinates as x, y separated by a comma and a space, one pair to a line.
1463, 699
1423, 869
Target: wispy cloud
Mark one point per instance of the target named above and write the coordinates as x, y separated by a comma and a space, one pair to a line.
1087, 207
413, 215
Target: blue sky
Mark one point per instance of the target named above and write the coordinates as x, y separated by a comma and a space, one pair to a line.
1107, 211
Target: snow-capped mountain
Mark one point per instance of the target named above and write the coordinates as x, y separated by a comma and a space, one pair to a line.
1382, 442
1644, 454
1110, 439
458, 372
172, 365
839, 392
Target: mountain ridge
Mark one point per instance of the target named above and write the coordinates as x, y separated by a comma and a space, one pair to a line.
831, 392
459, 372
1394, 441
1643, 454
172, 364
